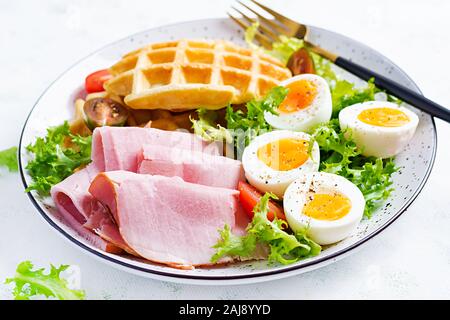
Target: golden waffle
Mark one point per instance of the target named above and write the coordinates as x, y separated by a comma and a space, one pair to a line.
188, 74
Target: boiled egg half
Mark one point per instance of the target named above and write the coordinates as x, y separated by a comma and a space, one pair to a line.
328, 206
379, 128
274, 159
307, 104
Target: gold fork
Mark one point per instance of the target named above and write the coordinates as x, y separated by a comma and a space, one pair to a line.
270, 29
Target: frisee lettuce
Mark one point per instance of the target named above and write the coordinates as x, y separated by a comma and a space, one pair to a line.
242, 126
8, 159
56, 157
283, 247
247, 125
373, 178
345, 94
336, 150
339, 155
30, 283
206, 128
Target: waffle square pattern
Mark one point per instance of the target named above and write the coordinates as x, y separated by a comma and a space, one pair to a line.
188, 74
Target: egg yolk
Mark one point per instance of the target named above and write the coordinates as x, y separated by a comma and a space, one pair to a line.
301, 94
325, 206
384, 117
284, 154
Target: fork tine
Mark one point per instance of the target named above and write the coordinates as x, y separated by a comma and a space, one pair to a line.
261, 38
270, 34
288, 22
275, 26
239, 22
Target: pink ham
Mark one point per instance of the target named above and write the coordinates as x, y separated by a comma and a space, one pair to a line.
70, 194
101, 223
113, 148
116, 148
91, 237
83, 213
191, 166
167, 220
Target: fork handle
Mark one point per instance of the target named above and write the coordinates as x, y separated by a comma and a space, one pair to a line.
397, 90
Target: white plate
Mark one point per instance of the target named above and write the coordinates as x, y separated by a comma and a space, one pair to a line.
56, 105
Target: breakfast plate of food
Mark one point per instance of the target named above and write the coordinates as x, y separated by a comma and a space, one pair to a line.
187, 153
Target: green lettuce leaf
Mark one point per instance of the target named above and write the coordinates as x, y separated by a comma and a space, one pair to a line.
247, 125
206, 128
345, 94
232, 245
336, 151
283, 247
242, 126
29, 283
373, 178
8, 159
54, 160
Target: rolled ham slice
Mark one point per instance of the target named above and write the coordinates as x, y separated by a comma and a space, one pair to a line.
191, 166
79, 210
76, 206
113, 148
165, 219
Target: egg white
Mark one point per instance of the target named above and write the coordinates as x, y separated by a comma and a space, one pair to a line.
266, 179
322, 231
373, 140
303, 120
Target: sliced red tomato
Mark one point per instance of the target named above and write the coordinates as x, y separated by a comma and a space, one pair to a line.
249, 197
94, 81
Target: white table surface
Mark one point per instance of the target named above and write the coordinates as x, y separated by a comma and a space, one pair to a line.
411, 259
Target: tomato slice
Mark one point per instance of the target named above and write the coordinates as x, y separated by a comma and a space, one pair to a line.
94, 81
249, 197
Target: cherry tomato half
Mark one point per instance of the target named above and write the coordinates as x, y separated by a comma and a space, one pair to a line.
94, 81
249, 197
301, 62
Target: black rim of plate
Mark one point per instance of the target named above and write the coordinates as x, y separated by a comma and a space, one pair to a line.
262, 274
